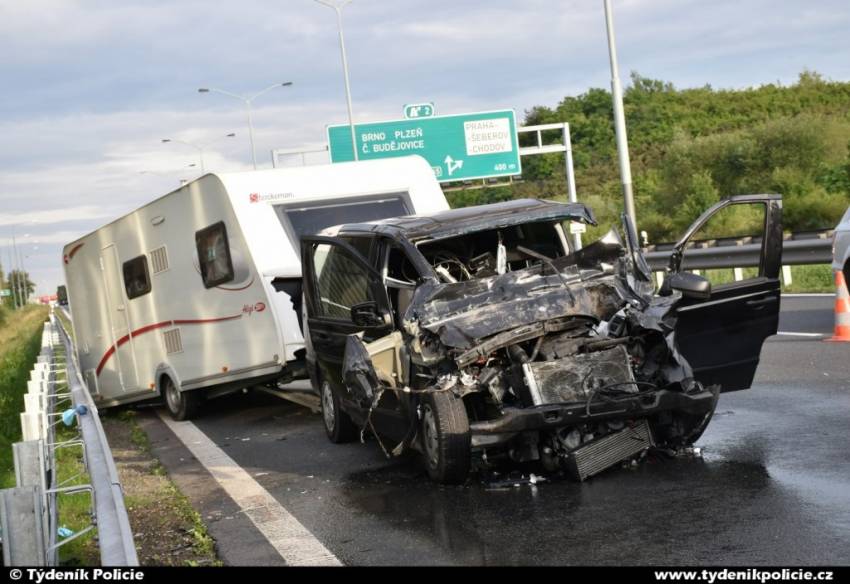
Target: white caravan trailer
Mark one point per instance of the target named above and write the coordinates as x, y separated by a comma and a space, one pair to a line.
198, 293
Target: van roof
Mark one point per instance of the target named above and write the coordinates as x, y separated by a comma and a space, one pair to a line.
478, 218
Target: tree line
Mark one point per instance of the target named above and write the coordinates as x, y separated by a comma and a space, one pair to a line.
690, 148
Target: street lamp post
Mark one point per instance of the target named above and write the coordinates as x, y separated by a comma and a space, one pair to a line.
247, 100
198, 147
14, 283
10, 266
619, 118
338, 6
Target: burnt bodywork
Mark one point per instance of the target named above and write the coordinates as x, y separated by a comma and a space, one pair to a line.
566, 357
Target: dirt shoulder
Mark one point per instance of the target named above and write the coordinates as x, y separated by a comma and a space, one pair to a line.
167, 530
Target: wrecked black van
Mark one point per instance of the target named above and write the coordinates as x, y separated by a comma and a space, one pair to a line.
480, 333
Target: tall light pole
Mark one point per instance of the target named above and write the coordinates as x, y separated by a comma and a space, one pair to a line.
620, 118
198, 147
14, 283
338, 6
10, 267
247, 100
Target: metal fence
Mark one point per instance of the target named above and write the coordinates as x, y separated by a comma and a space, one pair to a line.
31, 512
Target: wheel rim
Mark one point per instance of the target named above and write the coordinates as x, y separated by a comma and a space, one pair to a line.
172, 396
429, 436
328, 412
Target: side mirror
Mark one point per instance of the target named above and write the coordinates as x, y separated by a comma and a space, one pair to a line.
690, 285
367, 314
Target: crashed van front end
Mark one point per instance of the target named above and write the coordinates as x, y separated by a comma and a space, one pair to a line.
563, 363
571, 362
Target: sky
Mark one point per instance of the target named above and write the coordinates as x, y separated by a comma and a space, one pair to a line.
90, 87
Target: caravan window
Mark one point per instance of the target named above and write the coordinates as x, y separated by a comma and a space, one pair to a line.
137, 282
214, 255
310, 218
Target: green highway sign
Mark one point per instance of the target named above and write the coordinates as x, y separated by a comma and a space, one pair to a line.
5, 292
418, 110
458, 147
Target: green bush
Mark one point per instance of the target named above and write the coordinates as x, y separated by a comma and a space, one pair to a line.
691, 147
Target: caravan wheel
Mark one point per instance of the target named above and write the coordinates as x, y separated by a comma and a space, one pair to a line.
182, 405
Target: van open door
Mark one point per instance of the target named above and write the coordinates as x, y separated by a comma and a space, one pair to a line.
721, 329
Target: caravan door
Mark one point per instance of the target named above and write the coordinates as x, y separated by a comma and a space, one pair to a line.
117, 370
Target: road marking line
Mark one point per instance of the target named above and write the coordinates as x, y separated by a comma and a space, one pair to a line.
801, 334
296, 545
809, 295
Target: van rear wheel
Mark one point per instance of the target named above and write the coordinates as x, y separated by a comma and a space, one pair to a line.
338, 425
182, 405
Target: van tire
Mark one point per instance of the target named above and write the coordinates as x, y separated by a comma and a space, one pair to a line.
446, 440
182, 405
338, 425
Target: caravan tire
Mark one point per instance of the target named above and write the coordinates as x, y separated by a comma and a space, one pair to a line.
338, 424
182, 405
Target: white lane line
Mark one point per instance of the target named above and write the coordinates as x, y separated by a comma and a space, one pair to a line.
808, 295
296, 545
800, 334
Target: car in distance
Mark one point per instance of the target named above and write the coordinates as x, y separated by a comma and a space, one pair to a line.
478, 334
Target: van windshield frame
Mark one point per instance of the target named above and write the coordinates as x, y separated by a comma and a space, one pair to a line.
311, 217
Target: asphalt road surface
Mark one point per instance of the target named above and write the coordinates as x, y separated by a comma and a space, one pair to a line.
772, 486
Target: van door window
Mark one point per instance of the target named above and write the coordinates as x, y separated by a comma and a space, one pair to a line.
341, 282
214, 258
137, 281
730, 227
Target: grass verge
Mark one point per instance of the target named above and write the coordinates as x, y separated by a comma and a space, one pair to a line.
20, 342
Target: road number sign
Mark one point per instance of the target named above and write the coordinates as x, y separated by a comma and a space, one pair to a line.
418, 110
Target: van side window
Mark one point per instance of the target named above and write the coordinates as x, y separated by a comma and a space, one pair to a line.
341, 282
137, 281
214, 255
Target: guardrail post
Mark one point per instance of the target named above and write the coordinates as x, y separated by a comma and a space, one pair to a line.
739, 274
786, 276
21, 520
31, 470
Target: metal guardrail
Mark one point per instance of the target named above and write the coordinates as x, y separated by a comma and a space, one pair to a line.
742, 254
115, 535
29, 513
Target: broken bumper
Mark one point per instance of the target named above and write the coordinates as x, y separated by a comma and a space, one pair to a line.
513, 421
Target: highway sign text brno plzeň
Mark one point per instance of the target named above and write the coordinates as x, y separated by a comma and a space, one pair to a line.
458, 147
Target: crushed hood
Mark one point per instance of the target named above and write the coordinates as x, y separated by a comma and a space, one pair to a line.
462, 313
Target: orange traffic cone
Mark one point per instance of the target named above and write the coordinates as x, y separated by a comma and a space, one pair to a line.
842, 309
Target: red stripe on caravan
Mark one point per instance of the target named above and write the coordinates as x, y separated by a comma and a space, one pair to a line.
151, 327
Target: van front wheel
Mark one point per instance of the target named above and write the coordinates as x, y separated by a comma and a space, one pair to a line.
182, 405
446, 440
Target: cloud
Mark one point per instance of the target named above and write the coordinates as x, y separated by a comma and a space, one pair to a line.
49, 217
91, 87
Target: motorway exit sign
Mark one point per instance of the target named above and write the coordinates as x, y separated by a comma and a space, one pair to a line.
458, 147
